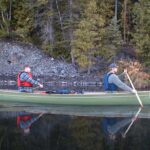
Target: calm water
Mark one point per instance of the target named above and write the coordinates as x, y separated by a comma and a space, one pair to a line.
55, 85
74, 128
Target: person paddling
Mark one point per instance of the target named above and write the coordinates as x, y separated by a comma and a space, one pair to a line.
25, 81
112, 82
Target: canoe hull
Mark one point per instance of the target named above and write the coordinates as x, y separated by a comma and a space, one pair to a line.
76, 99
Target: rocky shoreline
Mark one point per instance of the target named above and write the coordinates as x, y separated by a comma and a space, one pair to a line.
51, 72
14, 56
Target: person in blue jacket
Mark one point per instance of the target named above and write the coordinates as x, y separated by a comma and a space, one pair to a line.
112, 81
114, 126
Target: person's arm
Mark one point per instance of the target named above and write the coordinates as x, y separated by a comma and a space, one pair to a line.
115, 80
113, 129
25, 77
28, 123
122, 76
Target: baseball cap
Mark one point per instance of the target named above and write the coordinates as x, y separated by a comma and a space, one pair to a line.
113, 65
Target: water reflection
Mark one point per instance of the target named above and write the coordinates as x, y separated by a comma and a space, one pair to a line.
39, 130
25, 120
112, 127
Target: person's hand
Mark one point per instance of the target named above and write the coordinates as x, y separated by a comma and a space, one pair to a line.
125, 71
40, 85
134, 91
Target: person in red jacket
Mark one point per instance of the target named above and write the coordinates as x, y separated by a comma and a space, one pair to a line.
25, 81
25, 121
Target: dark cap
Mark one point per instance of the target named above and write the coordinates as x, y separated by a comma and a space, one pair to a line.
113, 65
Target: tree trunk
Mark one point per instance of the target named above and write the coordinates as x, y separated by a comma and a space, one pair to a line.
125, 21
70, 2
48, 30
116, 10
5, 22
89, 69
50, 26
10, 16
90, 63
60, 19
10, 9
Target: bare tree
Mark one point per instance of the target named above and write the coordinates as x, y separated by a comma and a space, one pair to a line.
125, 21
60, 19
70, 2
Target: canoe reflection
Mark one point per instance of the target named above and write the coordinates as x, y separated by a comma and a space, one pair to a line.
44, 130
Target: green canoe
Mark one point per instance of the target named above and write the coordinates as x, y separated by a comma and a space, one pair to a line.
87, 99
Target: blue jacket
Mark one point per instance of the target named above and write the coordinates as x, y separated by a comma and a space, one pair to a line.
109, 86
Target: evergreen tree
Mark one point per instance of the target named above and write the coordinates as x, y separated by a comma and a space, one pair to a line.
5, 17
113, 38
141, 33
23, 19
79, 31
88, 36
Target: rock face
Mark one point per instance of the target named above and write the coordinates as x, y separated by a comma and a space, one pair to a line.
13, 57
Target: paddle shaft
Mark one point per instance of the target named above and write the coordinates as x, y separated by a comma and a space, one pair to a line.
36, 87
135, 90
133, 120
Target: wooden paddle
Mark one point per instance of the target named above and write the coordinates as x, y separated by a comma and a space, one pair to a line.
36, 87
135, 90
133, 120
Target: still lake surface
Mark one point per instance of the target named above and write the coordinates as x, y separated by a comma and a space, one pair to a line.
74, 128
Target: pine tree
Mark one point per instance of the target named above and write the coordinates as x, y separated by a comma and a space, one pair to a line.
23, 19
141, 33
88, 36
5, 17
113, 38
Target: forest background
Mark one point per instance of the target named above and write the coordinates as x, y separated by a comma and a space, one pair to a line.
82, 32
